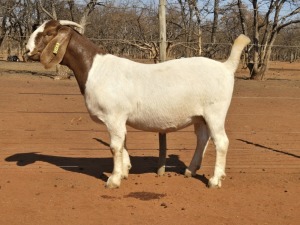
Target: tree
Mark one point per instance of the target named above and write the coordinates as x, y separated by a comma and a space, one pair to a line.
279, 14
6, 9
130, 28
16, 23
211, 50
190, 28
242, 14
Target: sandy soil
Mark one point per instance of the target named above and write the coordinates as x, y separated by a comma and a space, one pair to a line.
54, 160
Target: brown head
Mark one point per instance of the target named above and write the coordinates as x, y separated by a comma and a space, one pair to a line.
48, 43
56, 42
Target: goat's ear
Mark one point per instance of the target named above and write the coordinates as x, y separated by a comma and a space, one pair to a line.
56, 48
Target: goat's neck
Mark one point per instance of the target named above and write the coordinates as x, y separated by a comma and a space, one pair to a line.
79, 58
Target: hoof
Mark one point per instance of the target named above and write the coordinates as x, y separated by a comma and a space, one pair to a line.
125, 172
214, 183
188, 173
113, 182
161, 171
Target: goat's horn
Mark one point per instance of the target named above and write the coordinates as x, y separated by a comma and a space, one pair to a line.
70, 23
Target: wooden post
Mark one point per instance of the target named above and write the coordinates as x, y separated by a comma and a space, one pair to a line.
162, 58
162, 31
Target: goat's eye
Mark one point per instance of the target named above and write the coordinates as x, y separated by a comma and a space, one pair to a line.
50, 33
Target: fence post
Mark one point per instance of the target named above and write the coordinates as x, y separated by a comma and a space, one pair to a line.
162, 58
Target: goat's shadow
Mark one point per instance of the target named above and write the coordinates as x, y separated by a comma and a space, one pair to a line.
97, 167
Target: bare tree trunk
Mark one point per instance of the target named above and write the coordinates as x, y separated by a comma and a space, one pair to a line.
3, 30
199, 41
254, 69
71, 6
198, 17
215, 22
5, 18
211, 48
246, 59
87, 11
269, 26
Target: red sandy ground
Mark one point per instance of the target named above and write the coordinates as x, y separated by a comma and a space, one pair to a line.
54, 161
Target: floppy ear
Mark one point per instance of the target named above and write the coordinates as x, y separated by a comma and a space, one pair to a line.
56, 48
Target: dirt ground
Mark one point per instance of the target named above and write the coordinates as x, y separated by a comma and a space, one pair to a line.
54, 160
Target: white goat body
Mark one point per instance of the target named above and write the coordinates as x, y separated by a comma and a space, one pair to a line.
160, 98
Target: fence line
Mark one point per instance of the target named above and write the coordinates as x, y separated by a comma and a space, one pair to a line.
154, 7
128, 41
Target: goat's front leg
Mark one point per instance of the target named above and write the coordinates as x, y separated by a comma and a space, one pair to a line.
117, 136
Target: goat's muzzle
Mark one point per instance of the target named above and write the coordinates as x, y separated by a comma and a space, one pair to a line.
32, 56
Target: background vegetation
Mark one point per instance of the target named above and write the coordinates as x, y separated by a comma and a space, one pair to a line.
129, 28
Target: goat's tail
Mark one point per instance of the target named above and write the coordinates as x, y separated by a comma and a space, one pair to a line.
236, 51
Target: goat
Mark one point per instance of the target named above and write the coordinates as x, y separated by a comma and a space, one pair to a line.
162, 97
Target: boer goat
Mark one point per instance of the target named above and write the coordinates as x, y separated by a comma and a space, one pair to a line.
161, 97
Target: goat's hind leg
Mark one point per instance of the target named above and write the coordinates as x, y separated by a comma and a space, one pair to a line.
126, 162
221, 142
162, 154
202, 132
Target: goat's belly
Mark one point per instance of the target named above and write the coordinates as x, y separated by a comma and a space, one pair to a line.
162, 125
165, 117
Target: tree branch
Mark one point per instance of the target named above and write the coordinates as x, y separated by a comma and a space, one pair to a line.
45, 11
287, 24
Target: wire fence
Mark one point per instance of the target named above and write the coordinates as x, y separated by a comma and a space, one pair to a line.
142, 49
16, 38
177, 48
